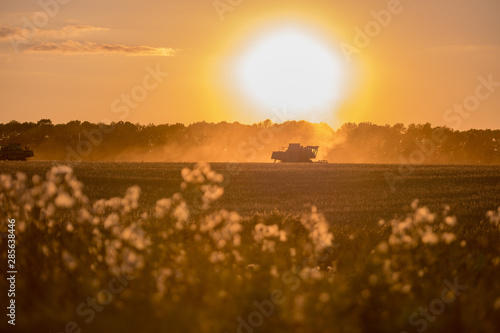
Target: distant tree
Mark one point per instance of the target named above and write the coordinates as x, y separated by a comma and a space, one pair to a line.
42, 122
363, 142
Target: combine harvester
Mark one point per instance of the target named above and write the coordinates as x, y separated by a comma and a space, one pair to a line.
14, 152
296, 154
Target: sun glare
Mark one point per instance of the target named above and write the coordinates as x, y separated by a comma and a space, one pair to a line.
293, 69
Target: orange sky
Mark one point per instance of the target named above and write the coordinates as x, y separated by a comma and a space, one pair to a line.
86, 55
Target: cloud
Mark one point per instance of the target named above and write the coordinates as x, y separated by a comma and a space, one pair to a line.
6, 32
68, 31
47, 41
75, 47
82, 27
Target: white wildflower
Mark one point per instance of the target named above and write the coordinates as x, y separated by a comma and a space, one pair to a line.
64, 200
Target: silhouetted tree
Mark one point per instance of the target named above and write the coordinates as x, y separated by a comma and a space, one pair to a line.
363, 142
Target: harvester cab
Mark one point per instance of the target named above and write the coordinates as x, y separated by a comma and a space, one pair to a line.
295, 154
14, 152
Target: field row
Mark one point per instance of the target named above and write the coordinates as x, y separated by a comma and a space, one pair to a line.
345, 193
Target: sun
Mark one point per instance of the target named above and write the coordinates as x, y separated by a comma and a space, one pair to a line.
294, 69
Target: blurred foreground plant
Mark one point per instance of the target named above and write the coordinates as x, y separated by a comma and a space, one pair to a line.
194, 268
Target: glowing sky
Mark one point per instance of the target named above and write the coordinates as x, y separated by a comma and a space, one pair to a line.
413, 62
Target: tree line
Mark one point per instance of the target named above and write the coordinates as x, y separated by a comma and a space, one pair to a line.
223, 142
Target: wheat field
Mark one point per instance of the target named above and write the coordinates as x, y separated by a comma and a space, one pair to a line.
177, 247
